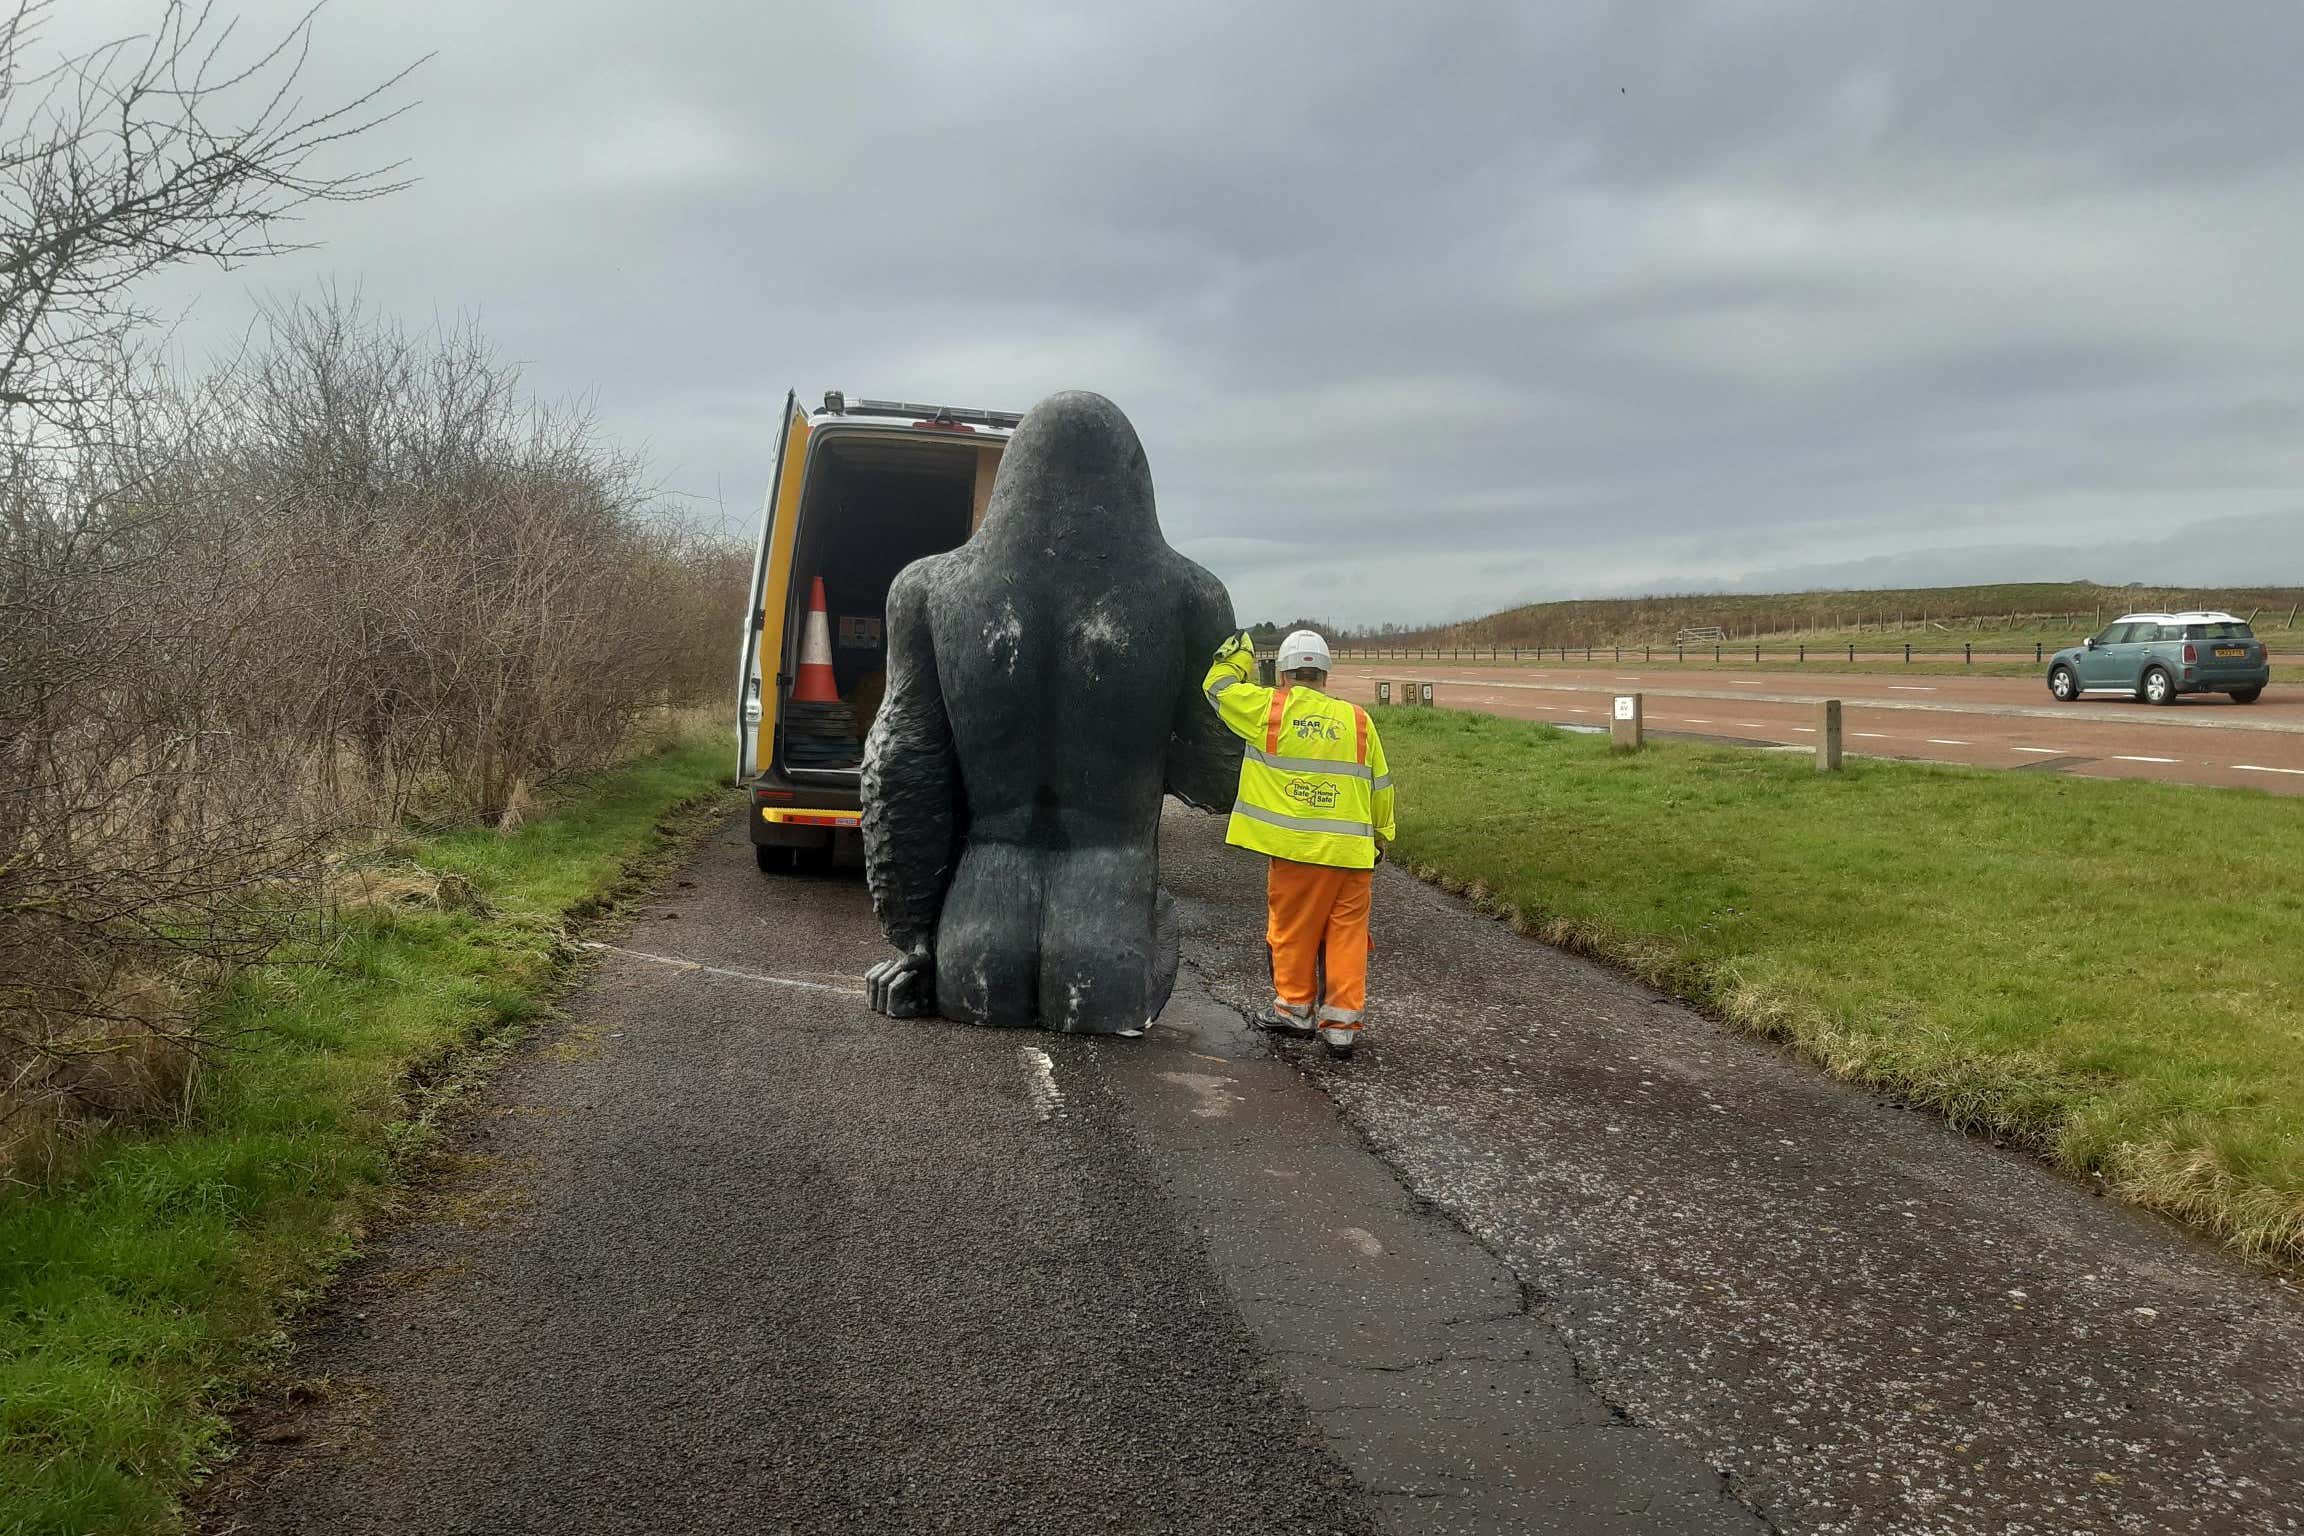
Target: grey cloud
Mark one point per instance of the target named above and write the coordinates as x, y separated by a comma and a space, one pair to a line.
1419, 313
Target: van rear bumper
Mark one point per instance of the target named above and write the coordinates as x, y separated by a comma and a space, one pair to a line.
791, 816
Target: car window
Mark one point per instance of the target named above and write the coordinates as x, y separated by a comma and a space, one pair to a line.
2110, 634
2125, 634
2229, 629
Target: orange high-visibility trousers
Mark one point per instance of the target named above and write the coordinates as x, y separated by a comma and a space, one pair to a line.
1319, 912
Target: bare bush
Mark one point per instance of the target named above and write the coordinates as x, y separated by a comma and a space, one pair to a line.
141, 840
463, 592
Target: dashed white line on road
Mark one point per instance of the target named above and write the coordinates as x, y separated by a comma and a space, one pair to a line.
2122, 758
1737, 682
2040, 751
1694, 720
2255, 768
1750, 725
1913, 687
1946, 741
1805, 730
1870, 735
1040, 1082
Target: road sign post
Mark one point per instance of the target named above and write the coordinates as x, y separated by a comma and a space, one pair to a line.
1624, 727
1383, 693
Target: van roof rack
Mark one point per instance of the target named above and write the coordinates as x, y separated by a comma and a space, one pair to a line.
938, 413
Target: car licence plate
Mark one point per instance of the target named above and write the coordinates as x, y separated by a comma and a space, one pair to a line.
2230, 652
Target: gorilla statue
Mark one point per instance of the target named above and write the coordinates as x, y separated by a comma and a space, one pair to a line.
1043, 693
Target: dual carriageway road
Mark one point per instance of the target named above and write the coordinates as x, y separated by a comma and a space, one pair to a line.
1985, 722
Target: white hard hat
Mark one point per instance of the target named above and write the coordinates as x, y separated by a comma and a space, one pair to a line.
1302, 649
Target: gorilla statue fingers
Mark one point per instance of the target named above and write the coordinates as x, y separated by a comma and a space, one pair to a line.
1043, 694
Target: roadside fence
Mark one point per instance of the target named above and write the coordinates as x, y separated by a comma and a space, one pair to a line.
1966, 653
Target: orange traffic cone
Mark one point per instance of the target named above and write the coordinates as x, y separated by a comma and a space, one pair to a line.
814, 683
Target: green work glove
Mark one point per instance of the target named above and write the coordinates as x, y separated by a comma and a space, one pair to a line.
1234, 646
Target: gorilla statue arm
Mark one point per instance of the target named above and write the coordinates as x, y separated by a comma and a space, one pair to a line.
913, 818
1203, 766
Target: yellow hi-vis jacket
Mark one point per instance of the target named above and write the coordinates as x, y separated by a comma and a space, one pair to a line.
1314, 787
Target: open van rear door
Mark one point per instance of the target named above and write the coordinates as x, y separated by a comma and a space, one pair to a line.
756, 698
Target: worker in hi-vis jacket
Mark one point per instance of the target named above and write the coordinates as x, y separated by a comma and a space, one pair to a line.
1314, 795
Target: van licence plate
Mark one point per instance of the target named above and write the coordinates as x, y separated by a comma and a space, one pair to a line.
2231, 652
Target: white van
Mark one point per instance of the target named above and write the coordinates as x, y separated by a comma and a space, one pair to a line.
862, 489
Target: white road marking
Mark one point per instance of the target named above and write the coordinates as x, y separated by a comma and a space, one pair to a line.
1750, 725
2040, 751
1805, 730
1913, 687
1694, 720
1737, 682
1870, 735
713, 970
1946, 741
2122, 758
1040, 1082
2254, 768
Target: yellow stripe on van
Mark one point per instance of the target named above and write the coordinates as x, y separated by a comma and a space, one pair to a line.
776, 591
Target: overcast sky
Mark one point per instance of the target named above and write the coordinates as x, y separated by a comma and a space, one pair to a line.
1421, 311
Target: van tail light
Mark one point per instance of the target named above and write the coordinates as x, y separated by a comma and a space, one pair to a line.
2191, 652
775, 794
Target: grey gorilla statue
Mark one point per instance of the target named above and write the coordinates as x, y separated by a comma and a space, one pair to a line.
1043, 693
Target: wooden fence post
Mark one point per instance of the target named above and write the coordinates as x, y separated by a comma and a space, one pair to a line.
1828, 736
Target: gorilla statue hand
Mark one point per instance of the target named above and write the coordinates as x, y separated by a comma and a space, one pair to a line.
903, 986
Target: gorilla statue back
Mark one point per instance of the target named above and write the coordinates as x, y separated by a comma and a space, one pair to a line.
1043, 694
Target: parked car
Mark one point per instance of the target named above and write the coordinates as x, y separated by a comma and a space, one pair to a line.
2157, 656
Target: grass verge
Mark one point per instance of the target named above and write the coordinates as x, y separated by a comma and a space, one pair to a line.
2106, 973
159, 1271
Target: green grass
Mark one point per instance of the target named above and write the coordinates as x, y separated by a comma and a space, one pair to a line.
156, 1275
2105, 973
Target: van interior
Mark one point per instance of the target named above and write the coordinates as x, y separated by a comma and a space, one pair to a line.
873, 505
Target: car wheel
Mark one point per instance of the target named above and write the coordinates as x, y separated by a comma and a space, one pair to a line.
2063, 684
2159, 687
2246, 695
772, 861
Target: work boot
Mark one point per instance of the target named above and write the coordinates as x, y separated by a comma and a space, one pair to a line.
1280, 1022
1339, 1041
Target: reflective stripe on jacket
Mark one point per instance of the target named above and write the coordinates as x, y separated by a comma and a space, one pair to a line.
1313, 783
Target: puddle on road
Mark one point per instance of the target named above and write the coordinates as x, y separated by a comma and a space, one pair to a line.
1214, 1102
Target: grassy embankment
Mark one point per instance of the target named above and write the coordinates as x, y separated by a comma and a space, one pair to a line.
2007, 617
157, 1271
2105, 973
1998, 620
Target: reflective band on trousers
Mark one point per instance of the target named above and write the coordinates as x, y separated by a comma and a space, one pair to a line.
1340, 1015
1302, 823
1327, 765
